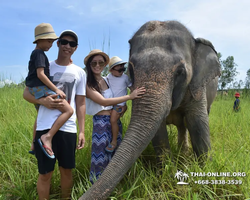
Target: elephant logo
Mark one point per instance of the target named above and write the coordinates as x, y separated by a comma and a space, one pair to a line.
181, 176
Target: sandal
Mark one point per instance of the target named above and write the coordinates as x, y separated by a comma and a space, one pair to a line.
110, 148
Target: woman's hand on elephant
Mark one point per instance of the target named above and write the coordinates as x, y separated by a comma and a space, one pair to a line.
137, 93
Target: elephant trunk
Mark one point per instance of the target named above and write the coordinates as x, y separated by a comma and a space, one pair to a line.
147, 115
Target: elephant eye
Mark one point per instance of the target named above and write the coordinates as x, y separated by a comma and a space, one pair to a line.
180, 71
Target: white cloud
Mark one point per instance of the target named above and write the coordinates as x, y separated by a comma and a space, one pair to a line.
2, 84
70, 7
6, 82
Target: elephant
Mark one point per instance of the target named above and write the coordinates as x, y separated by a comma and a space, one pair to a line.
180, 74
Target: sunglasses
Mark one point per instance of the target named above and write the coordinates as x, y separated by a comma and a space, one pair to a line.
65, 42
120, 70
94, 64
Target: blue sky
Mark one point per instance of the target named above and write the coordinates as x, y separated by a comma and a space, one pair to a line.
226, 23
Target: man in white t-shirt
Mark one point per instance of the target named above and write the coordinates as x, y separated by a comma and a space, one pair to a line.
71, 79
118, 82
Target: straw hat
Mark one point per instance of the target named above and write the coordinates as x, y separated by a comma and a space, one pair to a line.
69, 32
115, 61
96, 52
44, 31
237, 94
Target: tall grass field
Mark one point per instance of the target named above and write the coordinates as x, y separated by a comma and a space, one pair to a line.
230, 153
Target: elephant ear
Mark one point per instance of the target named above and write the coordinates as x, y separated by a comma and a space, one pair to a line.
206, 67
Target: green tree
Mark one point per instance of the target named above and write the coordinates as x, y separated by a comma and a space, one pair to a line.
241, 83
228, 71
247, 82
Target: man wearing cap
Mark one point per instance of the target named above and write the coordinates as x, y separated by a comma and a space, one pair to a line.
71, 79
39, 84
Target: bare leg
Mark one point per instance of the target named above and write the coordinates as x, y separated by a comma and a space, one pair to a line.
67, 111
66, 182
34, 135
115, 129
43, 185
32, 148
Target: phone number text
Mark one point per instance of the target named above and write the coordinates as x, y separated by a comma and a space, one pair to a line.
219, 182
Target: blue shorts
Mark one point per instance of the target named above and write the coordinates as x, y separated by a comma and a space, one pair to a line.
41, 91
117, 108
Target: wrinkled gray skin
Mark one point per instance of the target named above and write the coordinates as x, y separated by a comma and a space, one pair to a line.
180, 74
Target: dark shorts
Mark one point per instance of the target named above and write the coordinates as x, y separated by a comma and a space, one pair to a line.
63, 145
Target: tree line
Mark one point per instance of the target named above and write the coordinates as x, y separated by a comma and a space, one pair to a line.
226, 81
229, 73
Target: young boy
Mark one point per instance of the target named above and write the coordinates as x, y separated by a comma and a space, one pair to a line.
119, 82
237, 102
39, 84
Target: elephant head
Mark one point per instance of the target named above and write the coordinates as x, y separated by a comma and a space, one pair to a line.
175, 69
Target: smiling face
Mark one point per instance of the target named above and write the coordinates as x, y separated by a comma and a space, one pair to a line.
117, 70
97, 64
65, 50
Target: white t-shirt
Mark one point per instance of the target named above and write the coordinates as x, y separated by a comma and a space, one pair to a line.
119, 85
72, 81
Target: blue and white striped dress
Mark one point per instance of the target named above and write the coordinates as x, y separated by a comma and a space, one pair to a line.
101, 137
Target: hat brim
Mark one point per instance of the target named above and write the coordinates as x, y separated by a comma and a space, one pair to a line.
97, 53
117, 63
50, 37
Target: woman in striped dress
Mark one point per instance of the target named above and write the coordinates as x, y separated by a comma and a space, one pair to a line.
99, 103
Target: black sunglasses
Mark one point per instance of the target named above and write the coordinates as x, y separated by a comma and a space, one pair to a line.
65, 42
120, 70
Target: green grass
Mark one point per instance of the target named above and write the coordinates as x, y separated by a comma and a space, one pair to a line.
230, 142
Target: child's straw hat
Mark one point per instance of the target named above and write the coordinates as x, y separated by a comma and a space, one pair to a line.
115, 61
44, 31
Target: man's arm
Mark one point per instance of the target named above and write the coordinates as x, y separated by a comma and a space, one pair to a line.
49, 101
80, 113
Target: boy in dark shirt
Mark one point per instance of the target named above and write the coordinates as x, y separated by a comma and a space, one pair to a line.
39, 83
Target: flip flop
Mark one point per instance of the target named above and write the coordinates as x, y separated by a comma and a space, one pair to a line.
32, 152
110, 148
44, 147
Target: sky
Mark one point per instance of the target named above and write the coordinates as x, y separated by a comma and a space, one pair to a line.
109, 24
